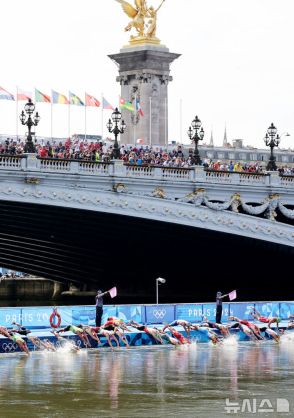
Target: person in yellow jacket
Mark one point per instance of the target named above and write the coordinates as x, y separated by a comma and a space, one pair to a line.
238, 167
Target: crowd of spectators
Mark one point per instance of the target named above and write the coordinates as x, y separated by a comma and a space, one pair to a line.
79, 149
286, 171
233, 166
100, 152
11, 147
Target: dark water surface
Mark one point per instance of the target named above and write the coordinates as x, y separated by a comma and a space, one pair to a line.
147, 382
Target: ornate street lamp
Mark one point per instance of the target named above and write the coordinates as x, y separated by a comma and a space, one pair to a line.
29, 122
272, 140
196, 134
116, 130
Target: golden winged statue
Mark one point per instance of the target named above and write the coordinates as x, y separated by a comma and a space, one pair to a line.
144, 20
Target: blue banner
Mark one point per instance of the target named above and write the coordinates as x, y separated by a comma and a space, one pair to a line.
268, 309
286, 309
126, 313
209, 310
241, 310
38, 317
9, 315
83, 315
191, 313
158, 314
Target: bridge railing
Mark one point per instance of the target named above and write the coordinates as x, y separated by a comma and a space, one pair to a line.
30, 162
160, 173
74, 166
287, 181
10, 162
230, 177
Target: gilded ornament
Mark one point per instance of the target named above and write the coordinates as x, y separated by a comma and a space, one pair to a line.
143, 20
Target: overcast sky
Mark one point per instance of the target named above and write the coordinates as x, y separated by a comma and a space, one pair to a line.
236, 68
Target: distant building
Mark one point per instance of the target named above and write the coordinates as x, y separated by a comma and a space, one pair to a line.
237, 152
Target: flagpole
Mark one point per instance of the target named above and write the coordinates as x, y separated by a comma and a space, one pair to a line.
68, 115
150, 121
181, 120
85, 119
17, 113
51, 116
102, 116
165, 123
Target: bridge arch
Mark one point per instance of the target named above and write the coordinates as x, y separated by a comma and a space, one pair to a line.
106, 247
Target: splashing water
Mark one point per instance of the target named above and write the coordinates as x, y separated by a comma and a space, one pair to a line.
287, 338
67, 348
231, 341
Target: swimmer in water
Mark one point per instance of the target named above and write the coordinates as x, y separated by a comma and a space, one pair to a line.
77, 331
212, 336
109, 336
20, 342
176, 334
247, 331
4, 331
118, 323
260, 318
66, 341
37, 342
254, 328
153, 332
224, 329
92, 331
182, 323
167, 338
49, 345
115, 325
270, 332
291, 322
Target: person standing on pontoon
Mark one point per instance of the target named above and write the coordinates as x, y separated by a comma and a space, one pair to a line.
219, 307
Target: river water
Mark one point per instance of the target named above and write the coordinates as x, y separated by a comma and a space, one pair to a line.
148, 382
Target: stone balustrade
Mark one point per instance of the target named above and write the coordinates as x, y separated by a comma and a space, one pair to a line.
10, 162
228, 177
287, 181
116, 168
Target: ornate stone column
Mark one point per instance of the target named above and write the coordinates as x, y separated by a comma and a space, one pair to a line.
144, 73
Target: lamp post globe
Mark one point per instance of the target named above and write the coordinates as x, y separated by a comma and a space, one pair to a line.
159, 280
196, 134
272, 140
28, 121
116, 126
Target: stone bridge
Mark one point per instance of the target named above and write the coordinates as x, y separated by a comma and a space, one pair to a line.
109, 223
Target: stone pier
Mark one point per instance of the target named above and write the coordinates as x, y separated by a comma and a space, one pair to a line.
144, 74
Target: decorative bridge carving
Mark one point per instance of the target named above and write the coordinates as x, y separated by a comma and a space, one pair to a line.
226, 202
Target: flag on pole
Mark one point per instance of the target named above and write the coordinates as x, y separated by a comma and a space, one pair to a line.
41, 97
24, 95
75, 100
126, 105
233, 295
91, 100
5, 95
138, 107
106, 104
58, 98
113, 292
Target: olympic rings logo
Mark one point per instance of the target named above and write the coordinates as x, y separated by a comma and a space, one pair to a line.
9, 347
159, 313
